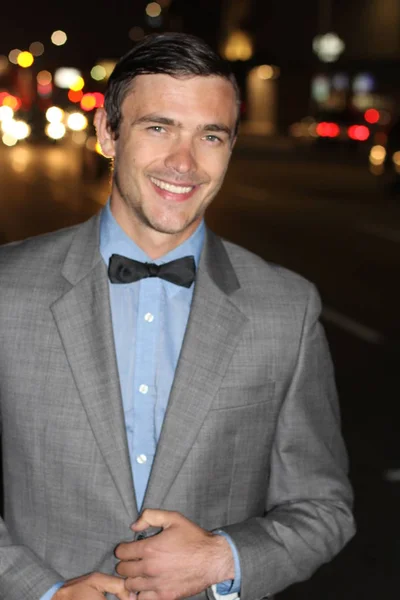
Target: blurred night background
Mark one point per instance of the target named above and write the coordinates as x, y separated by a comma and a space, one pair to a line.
314, 185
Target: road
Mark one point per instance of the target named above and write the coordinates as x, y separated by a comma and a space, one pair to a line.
329, 219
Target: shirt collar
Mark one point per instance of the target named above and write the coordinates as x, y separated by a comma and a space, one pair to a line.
114, 240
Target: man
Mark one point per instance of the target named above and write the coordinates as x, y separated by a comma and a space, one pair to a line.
191, 396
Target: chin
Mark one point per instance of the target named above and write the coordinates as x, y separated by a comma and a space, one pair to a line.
170, 225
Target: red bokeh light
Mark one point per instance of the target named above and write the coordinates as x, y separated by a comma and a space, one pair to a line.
330, 130
44, 90
99, 97
372, 115
358, 132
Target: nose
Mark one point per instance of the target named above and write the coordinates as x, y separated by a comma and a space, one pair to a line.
181, 158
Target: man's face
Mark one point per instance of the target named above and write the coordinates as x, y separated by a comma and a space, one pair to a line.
175, 141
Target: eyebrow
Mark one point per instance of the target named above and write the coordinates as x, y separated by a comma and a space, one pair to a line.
154, 118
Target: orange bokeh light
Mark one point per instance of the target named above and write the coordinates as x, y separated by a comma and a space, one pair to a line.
75, 96
2, 96
88, 102
12, 101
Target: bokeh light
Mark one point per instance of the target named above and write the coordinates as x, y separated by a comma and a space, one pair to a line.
360, 133
77, 121
88, 102
55, 131
8, 139
98, 73
3, 95
99, 98
363, 83
13, 56
17, 129
6, 113
238, 46
75, 96
36, 48
12, 101
153, 9
109, 66
377, 155
44, 77
267, 72
54, 114
372, 115
25, 59
59, 37
21, 130
65, 77
329, 130
396, 158
78, 84
45, 91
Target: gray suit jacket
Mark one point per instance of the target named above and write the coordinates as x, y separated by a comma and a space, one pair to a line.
251, 440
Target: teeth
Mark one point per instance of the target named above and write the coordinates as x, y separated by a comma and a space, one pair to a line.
175, 189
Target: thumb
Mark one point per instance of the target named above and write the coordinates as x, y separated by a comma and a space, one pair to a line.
151, 517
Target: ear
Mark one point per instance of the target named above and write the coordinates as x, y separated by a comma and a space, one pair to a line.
104, 135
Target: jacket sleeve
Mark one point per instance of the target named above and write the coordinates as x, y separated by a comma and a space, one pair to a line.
308, 516
22, 573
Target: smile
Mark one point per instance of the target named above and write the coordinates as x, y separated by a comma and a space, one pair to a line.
169, 187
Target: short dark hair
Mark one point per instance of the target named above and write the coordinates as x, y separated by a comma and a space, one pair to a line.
175, 54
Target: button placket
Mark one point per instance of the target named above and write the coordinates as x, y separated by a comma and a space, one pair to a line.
147, 330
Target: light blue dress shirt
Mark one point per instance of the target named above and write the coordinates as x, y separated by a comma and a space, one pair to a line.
149, 320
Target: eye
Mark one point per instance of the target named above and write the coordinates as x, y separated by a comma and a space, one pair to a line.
156, 128
213, 139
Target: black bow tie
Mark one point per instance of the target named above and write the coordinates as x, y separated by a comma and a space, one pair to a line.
126, 270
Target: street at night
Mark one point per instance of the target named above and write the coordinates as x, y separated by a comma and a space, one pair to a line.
336, 224
313, 185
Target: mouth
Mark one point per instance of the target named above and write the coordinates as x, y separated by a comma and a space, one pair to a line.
172, 190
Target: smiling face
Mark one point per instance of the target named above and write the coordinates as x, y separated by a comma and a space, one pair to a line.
173, 150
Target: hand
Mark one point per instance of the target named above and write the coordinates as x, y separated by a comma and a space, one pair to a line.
181, 561
92, 587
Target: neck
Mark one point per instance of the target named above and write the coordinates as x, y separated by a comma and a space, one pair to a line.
154, 243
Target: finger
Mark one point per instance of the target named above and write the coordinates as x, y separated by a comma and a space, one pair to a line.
139, 584
129, 550
156, 518
110, 584
130, 568
150, 595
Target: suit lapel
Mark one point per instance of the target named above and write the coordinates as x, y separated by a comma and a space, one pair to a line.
214, 327
83, 318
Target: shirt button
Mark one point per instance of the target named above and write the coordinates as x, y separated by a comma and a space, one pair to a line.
141, 459
143, 389
149, 317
